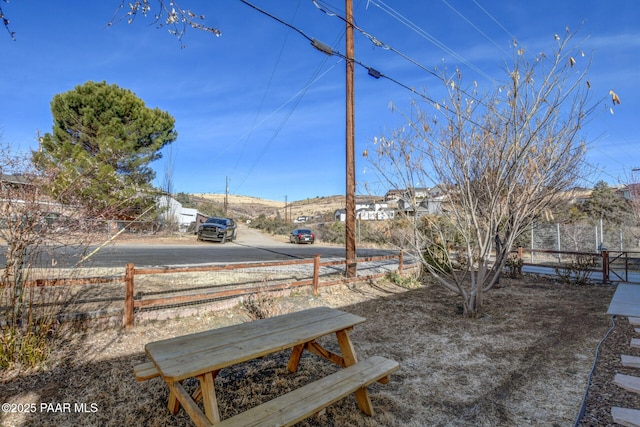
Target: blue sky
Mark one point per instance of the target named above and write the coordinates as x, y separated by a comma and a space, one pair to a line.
263, 108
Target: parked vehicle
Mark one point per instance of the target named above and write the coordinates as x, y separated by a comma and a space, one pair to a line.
218, 230
302, 235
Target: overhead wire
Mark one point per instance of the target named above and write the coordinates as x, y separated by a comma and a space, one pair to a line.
376, 74
264, 95
330, 51
297, 98
385, 46
371, 71
461, 15
299, 31
494, 20
424, 34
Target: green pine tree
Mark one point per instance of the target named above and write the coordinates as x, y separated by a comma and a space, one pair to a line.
100, 149
607, 205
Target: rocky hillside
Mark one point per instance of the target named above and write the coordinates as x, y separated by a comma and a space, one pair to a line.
251, 207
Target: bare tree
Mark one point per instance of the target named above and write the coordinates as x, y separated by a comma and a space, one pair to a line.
168, 214
501, 159
165, 15
36, 232
27, 224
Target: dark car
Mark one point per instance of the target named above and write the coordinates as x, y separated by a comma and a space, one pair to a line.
218, 230
302, 235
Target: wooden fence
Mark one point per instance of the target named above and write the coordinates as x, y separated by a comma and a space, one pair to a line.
132, 303
613, 267
170, 298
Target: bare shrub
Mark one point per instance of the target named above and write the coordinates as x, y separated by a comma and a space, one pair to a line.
514, 266
577, 271
408, 281
38, 232
28, 314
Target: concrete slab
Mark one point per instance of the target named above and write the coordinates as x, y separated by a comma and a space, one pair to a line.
626, 417
625, 301
630, 361
627, 382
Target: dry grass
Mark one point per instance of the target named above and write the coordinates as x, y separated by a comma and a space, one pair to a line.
524, 362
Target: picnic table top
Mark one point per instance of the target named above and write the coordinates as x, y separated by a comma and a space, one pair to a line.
198, 353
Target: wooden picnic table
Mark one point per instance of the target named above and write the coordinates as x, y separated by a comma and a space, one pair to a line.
202, 355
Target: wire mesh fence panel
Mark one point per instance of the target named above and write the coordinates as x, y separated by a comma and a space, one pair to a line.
582, 237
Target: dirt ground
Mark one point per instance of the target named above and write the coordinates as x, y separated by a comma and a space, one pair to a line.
525, 361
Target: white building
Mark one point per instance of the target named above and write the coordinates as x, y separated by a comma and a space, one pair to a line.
173, 213
367, 212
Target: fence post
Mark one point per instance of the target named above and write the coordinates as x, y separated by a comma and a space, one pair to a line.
316, 273
400, 262
128, 296
605, 267
519, 253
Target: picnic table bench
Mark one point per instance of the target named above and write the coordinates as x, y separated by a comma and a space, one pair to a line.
202, 355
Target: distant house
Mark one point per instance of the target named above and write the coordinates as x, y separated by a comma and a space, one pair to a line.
15, 180
393, 195
422, 201
301, 219
174, 214
630, 192
367, 212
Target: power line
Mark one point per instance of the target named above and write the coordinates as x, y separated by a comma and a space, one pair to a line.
297, 97
277, 19
377, 74
264, 95
474, 26
422, 33
370, 70
494, 20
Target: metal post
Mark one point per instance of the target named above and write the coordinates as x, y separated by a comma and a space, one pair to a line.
531, 243
621, 243
601, 234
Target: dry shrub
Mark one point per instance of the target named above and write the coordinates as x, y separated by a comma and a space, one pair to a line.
577, 271
514, 265
261, 306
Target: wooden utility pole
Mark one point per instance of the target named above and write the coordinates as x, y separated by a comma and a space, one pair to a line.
286, 219
226, 196
350, 220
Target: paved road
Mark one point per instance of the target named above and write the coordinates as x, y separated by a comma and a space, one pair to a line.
250, 245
